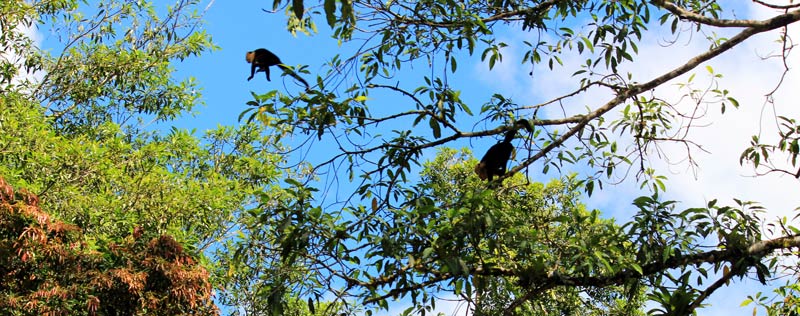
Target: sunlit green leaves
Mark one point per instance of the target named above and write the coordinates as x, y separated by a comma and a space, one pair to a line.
493, 54
760, 153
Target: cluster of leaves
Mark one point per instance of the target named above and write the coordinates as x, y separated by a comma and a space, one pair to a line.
78, 135
409, 229
49, 267
523, 248
761, 153
400, 235
451, 236
100, 76
178, 184
259, 267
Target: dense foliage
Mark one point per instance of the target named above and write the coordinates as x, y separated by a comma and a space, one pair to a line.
398, 236
75, 129
378, 211
49, 267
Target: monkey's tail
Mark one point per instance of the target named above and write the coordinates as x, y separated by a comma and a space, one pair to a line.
291, 72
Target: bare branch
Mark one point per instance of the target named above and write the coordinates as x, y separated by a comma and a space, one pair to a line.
694, 17
757, 249
633, 90
719, 283
776, 6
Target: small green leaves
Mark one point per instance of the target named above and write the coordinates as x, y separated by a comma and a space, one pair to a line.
435, 128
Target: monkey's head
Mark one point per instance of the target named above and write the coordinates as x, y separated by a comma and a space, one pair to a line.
249, 57
525, 124
480, 170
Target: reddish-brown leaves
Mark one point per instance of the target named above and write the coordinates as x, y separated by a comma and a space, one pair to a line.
6, 191
47, 269
91, 304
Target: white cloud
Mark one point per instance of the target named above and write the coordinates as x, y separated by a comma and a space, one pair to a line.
720, 175
724, 136
8, 55
748, 77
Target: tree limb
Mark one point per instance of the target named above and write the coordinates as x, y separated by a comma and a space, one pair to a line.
757, 249
694, 17
633, 90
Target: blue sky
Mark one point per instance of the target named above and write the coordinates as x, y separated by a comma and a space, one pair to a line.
240, 26
237, 27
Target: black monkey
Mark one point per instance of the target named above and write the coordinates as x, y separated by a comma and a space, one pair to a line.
263, 59
494, 161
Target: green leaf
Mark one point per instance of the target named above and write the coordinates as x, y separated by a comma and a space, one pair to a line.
427, 252
588, 43
347, 10
637, 268
330, 12
734, 102
434, 124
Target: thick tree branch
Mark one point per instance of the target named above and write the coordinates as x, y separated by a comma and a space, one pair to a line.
633, 90
758, 249
694, 17
503, 16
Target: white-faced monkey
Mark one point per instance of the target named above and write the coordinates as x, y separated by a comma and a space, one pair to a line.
494, 161
263, 59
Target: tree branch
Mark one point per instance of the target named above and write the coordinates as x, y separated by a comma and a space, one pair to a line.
757, 249
775, 6
694, 17
719, 283
494, 18
633, 90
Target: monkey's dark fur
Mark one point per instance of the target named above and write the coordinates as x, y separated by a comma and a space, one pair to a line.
262, 59
496, 158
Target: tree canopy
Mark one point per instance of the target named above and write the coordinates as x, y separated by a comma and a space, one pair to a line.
48, 268
393, 238
75, 131
357, 196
